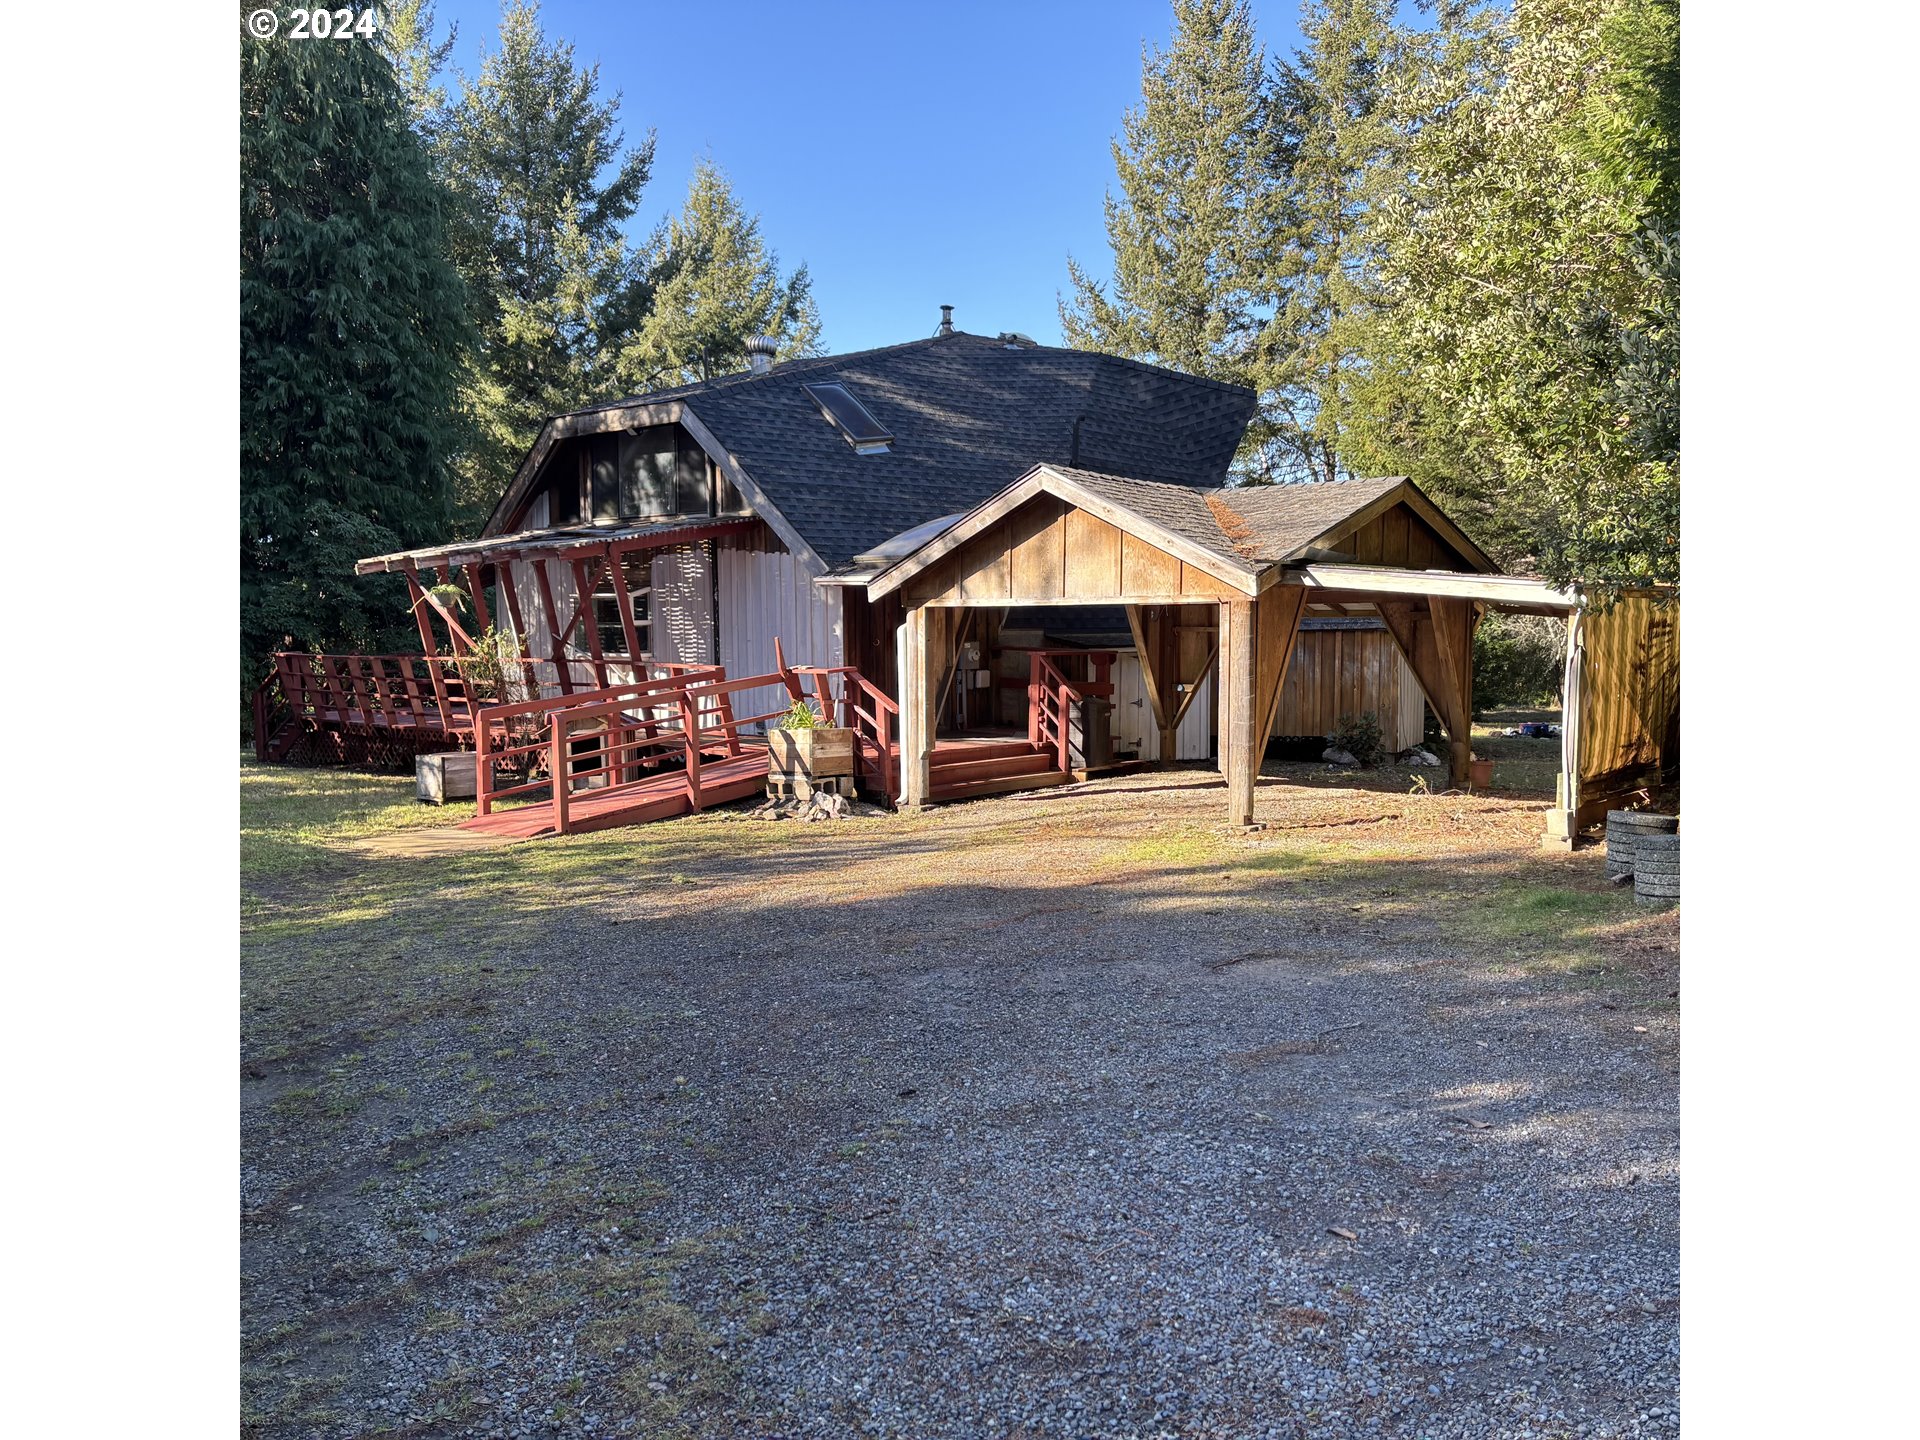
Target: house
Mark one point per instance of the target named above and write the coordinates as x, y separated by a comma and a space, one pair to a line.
901, 514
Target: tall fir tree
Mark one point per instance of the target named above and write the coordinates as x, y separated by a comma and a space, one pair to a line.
547, 184
1191, 222
352, 335
1328, 134
713, 284
410, 34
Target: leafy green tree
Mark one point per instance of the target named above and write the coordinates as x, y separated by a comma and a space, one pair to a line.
352, 334
1520, 349
546, 184
1328, 135
1191, 222
713, 284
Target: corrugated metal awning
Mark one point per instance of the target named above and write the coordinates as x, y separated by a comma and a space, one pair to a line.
572, 542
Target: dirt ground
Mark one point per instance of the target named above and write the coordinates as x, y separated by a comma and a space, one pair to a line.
1072, 1113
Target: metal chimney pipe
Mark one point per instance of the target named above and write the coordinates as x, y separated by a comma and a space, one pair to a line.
946, 321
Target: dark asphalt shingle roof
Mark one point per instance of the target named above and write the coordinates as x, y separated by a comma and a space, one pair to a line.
1248, 526
1279, 519
969, 416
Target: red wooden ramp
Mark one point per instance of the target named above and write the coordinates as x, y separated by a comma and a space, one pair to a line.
650, 750
662, 796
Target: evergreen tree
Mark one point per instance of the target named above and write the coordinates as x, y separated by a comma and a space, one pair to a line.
1192, 219
408, 34
547, 185
713, 284
1328, 135
1521, 358
352, 333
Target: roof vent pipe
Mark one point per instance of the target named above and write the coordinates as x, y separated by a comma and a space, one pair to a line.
946, 322
760, 352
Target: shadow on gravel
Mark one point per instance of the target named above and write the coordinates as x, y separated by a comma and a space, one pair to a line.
725, 1127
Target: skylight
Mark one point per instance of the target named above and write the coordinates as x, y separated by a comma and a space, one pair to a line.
847, 415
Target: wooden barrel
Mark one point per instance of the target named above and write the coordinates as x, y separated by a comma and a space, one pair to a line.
1656, 869
1625, 827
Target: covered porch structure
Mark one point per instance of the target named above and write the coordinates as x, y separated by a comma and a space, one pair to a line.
1246, 565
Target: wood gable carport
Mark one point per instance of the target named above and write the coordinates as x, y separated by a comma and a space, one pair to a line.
1248, 562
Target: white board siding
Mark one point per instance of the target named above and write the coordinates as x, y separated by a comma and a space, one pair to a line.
539, 637
682, 606
1133, 727
764, 593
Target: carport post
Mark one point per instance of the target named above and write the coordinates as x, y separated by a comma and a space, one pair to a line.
916, 714
1238, 756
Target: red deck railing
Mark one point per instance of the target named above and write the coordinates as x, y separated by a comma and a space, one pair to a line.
1051, 694
860, 706
613, 743
519, 737
394, 701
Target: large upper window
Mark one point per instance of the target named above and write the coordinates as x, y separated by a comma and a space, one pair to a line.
658, 472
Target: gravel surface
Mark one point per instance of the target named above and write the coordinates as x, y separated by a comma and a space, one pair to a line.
1063, 1115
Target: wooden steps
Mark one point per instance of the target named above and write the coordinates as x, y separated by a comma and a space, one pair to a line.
967, 767
1001, 785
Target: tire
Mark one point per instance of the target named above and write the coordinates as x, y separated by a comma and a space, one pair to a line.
1656, 870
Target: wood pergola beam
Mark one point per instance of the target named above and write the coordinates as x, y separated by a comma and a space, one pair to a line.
1436, 637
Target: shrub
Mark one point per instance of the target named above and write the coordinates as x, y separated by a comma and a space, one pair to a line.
1518, 660
1360, 737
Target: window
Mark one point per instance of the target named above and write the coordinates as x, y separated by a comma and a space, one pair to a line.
603, 472
636, 570
852, 419
563, 492
646, 473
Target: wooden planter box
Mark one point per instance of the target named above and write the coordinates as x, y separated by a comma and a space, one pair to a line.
443, 777
803, 761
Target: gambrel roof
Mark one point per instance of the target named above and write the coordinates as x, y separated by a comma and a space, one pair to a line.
968, 415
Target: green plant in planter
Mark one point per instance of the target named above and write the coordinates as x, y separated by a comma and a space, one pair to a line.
800, 716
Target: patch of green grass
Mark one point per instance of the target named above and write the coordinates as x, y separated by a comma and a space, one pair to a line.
1546, 927
1173, 848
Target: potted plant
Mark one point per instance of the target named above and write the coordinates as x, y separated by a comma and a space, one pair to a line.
807, 755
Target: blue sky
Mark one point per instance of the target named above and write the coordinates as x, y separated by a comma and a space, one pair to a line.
913, 154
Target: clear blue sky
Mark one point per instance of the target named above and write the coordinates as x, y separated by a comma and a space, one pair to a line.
913, 154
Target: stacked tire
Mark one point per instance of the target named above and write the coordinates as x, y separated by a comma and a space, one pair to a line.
1656, 870
1624, 831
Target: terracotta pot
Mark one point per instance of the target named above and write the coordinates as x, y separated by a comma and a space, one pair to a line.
1480, 774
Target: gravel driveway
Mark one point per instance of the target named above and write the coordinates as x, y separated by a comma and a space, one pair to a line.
1042, 1116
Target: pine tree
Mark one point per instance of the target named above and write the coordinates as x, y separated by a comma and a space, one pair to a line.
352, 335
1192, 219
546, 183
714, 284
1327, 136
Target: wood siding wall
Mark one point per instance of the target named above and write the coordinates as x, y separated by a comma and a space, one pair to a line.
1049, 552
1337, 673
1399, 537
1629, 687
